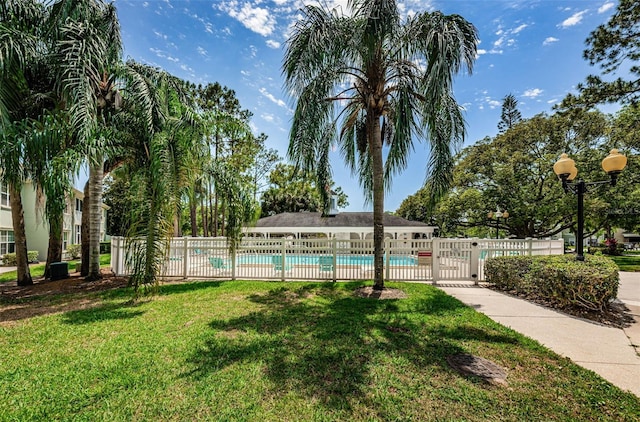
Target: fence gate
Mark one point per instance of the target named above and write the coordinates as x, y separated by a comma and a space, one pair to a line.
455, 259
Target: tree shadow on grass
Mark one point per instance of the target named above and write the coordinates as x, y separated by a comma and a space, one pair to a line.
105, 312
321, 342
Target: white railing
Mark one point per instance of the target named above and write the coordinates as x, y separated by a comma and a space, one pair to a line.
433, 260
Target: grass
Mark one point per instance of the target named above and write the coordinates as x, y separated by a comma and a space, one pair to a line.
257, 351
37, 270
627, 262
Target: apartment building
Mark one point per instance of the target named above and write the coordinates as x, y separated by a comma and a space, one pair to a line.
36, 226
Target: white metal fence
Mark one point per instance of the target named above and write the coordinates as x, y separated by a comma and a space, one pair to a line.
433, 260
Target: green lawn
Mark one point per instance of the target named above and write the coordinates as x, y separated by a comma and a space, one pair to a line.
37, 270
267, 351
627, 262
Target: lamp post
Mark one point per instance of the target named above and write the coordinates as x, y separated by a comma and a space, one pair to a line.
498, 215
565, 168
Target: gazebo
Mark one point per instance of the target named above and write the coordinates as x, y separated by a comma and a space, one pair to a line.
341, 226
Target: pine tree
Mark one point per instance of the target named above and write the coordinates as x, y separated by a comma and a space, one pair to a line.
510, 114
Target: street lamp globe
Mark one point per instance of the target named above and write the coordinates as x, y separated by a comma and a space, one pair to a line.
613, 164
565, 167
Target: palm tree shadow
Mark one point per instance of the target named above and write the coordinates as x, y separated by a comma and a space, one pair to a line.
323, 343
109, 311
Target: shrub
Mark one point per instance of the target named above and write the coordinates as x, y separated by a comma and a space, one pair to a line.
105, 247
560, 279
508, 272
74, 251
9, 259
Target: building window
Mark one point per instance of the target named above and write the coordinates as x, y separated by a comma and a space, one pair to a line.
65, 240
78, 204
78, 234
7, 243
4, 195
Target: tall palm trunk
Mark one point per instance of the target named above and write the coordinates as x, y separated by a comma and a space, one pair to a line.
54, 251
96, 172
193, 215
84, 233
20, 237
375, 136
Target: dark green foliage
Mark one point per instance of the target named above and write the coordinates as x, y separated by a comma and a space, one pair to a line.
611, 45
562, 280
510, 114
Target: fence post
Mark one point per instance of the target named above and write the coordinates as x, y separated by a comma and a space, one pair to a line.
435, 260
233, 261
115, 254
284, 257
185, 259
334, 251
475, 260
387, 258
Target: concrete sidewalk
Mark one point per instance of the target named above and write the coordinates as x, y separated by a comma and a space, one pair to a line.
607, 351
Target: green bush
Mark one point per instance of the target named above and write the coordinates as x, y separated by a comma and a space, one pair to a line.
508, 272
560, 279
105, 247
9, 259
74, 251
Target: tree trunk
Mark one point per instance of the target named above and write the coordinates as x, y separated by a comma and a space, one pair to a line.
375, 141
19, 237
85, 232
193, 217
54, 251
203, 211
95, 215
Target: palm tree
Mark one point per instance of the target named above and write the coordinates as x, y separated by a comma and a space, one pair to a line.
393, 81
20, 36
86, 51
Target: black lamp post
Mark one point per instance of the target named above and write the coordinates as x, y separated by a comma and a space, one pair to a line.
498, 215
565, 168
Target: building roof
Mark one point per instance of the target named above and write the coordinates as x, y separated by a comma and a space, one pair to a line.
342, 219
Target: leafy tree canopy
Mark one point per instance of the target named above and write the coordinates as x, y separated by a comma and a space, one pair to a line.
293, 191
513, 171
613, 46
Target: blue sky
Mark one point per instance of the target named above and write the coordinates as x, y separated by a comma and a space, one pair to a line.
531, 49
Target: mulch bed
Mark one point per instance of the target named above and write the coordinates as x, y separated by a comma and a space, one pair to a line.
73, 284
616, 315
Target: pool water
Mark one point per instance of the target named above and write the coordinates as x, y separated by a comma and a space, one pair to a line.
297, 259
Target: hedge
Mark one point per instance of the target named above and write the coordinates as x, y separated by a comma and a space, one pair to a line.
9, 259
562, 280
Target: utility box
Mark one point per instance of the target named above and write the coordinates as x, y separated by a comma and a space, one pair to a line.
59, 270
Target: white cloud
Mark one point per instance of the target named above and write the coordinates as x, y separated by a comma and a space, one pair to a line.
549, 40
520, 28
245, 73
202, 51
532, 93
255, 18
605, 7
273, 44
573, 20
270, 96
160, 35
268, 117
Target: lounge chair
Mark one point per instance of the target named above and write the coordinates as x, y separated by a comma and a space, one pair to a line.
217, 263
279, 263
326, 263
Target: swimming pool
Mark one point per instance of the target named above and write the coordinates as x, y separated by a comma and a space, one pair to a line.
298, 259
